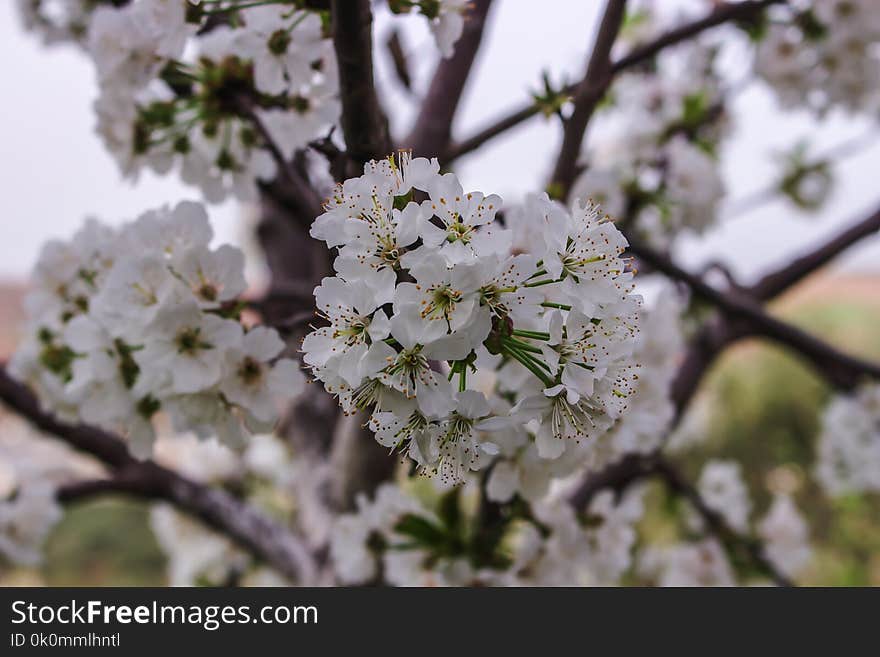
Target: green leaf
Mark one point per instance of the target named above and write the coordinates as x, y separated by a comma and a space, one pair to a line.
421, 530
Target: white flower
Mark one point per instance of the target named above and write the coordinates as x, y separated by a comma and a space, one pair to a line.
283, 46
356, 326
361, 212
252, 383
409, 371
466, 232
135, 291
354, 564
56, 22
169, 231
164, 21
408, 431
527, 473
308, 116
185, 347
123, 51
561, 420
208, 416
163, 100
503, 287
102, 373
650, 410
460, 449
213, 276
442, 301
828, 62
126, 322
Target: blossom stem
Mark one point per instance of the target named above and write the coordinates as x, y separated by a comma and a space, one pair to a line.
534, 335
561, 306
528, 362
525, 346
548, 281
225, 10
540, 272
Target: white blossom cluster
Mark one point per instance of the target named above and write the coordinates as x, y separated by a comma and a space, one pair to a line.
822, 54
448, 339
398, 535
520, 470
183, 84
848, 450
655, 162
123, 322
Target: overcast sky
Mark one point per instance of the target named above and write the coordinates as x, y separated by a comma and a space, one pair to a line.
55, 171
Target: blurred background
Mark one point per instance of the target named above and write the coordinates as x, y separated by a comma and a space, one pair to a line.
759, 405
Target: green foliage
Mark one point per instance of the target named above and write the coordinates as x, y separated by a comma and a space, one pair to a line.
104, 543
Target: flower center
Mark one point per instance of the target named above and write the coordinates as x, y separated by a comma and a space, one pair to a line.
188, 341
441, 303
207, 291
250, 371
279, 41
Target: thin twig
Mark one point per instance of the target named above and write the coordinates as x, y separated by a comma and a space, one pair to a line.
723, 13
778, 281
295, 186
842, 370
432, 129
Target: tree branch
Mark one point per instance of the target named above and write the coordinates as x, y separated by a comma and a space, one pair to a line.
780, 280
704, 347
724, 12
229, 515
364, 125
293, 189
743, 11
586, 96
616, 477
842, 370
432, 130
